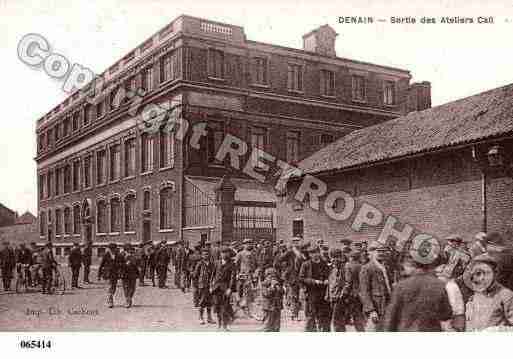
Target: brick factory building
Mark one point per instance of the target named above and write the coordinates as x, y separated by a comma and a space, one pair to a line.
446, 170
101, 178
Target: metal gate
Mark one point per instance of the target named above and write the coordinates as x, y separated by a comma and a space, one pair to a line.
254, 220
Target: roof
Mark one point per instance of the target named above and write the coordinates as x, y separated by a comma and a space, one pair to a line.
7, 208
246, 190
26, 218
482, 116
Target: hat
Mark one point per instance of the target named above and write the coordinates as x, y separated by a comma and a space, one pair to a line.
377, 246
358, 244
313, 249
225, 249
345, 241
336, 253
112, 245
355, 254
270, 271
320, 241
296, 239
127, 246
346, 250
487, 258
454, 238
324, 247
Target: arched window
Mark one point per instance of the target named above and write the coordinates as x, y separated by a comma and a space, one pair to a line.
58, 221
130, 212
101, 215
146, 200
115, 215
166, 208
67, 220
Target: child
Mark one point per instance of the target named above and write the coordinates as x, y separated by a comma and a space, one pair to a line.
272, 293
202, 276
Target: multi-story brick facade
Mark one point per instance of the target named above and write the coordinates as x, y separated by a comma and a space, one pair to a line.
442, 171
100, 177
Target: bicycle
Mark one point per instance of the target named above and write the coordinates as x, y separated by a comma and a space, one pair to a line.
36, 272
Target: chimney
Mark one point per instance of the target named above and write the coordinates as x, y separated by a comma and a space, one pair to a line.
321, 41
419, 96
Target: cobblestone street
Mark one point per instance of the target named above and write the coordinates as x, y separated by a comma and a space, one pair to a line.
154, 309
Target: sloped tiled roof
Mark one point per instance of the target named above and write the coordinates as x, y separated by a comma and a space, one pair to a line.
485, 115
26, 218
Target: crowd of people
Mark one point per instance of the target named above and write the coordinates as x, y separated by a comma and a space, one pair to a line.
369, 288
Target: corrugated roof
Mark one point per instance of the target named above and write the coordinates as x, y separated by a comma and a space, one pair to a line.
485, 115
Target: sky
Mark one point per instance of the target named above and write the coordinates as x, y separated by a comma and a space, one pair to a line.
458, 59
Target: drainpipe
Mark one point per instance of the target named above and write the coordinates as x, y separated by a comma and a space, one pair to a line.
483, 199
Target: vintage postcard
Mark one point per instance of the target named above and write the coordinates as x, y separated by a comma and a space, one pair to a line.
180, 166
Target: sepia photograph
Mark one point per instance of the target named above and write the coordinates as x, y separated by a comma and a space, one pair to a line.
288, 166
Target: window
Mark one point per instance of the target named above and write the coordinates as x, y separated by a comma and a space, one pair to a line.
147, 79
101, 251
67, 179
41, 187
76, 175
146, 153
295, 78
49, 185
57, 132
326, 139
99, 109
389, 93
58, 251
115, 162
115, 215
42, 224
166, 208
67, 220
297, 228
260, 71
58, 221
167, 148
114, 100
169, 67
66, 127
49, 138
258, 140
67, 251
58, 172
76, 219
101, 214
292, 147
216, 64
358, 88
130, 213
327, 83
214, 139
76, 118
101, 166
129, 86
130, 157
88, 114
87, 172
146, 200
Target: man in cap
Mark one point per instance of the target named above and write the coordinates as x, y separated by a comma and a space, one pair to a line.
491, 305
48, 265
87, 256
202, 274
223, 283
457, 257
334, 293
152, 261
163, 260
245, 264
314, 277
130, 273
215, 250
346, 246
194, 259
272, 301
266, 258
351, 291
142, 261
111, 268
24, 258
375, 286
420, 302
325, 254
75, 262
7, 264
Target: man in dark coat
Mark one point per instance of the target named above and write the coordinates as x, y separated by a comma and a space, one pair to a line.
130, 273
351, 291
202, 275
152, 262
163, 260
7, 264
141, 259
75, 262
419, 303
111, 267
223, 283
334, 292
314, 276
48, 265
24, 258
87, 256
375, 287
272, 301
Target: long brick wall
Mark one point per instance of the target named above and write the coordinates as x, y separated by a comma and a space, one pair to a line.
438, 194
